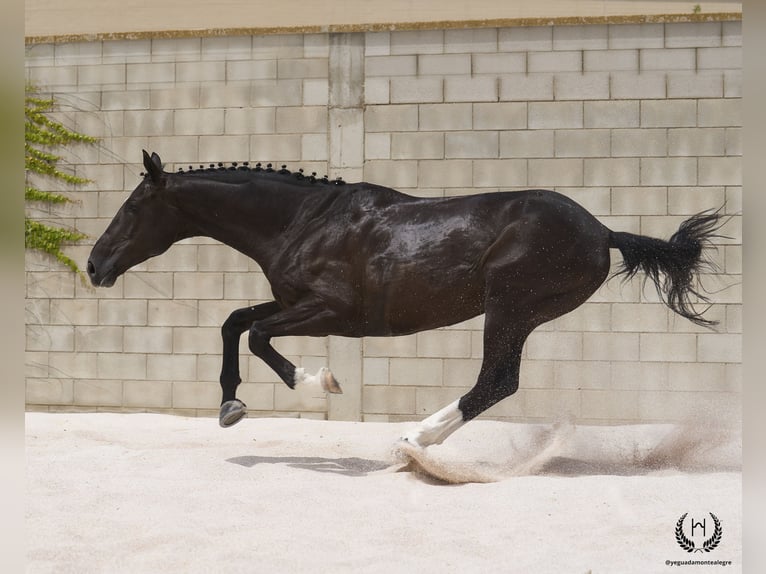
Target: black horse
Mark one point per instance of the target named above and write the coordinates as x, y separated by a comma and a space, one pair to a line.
363, 260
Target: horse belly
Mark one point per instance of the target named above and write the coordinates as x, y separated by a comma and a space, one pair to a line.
416, 302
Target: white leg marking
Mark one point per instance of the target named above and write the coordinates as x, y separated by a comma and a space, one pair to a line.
437, 427
323, 380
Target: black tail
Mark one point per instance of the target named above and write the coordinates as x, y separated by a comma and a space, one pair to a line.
674, 265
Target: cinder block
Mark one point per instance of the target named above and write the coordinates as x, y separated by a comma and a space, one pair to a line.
226, 48
417, 145
148, 340
250, 121
122, 312
77, 53
611, 114
221, 258
376, 371
389, 400
471, 144
289, 69
587, 317
475, 89
668, 347
315, 92
396, 174
470, 40
377, 44
692, 34
226, 95
377, 146
311, 119
121, 365
460, 372
276, 147
640, 317
582, 374
142, 285
53, 78
590, 37
49, 391
316, 46
444, 343
553, 346
668, 59
554, 62
416, 90
148, 122
731, 33
610, 60
499, 116
224, 148
610, 346
197, 122
50, 338
206, 72
444, 173
147, 394
632, 86
257, 396
278, 46
733, 141
171, 367
499, 63
196, 395
176, 49
72, 311
720, 171
122, 51
102, 393
98, 339
691, 200
274, 93
400, 118
417, 42
523, 39
444, 64
645, 142
526, 87
669, 171
390, 66
177, 258
377, 91
610, 405
555, 115
549, 404
582, 143
695, 85
640, 376
405, 346
499, 173
197, 340
72, 365
726, 112
668, 113
90, 77
547, 173
577, 86
614, 172
443, 117
416, 372
696, 142
639, 200
697, 377
154, 73
636, 36
198, 285
526, 143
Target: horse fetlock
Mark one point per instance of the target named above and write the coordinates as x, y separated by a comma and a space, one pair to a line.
323, 379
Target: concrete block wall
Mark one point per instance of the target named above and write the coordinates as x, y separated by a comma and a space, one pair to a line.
638, 122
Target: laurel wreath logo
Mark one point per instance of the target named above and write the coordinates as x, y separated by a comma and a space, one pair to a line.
707, 546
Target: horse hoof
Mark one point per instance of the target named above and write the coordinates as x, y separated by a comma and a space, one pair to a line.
328, 382
232, 412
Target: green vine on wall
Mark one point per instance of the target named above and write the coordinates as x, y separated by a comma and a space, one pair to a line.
42, 136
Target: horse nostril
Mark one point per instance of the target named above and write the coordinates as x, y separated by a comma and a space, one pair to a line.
91, 268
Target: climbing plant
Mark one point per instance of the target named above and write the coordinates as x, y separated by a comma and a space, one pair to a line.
42, 136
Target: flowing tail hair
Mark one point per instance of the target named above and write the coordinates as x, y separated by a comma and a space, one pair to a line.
674, 265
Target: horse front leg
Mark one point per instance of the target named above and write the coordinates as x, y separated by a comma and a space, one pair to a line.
232, 409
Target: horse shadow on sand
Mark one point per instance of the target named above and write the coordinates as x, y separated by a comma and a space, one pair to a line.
345, 466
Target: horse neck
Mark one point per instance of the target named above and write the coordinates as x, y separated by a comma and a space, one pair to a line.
250, 217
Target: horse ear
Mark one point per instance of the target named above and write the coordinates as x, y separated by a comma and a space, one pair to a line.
153, 165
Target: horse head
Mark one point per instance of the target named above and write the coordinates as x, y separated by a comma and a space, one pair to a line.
146, 225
